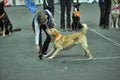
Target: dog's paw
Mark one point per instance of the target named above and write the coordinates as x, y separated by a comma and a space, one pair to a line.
50, 57
3, 35
45, 56
117, 27
90, 58
10, 33
111, 26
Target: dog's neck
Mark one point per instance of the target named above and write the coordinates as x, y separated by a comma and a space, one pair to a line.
56, 37
76, 13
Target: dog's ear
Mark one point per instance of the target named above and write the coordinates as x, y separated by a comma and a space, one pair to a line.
55, 31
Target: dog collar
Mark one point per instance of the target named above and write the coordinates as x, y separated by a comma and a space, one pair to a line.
56, 37
118, 7
76, 13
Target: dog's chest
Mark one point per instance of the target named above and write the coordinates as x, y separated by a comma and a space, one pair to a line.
115, 9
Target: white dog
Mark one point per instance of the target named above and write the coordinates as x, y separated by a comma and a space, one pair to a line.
115, 14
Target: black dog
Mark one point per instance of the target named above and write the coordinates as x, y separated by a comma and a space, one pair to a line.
9, 29
5, 24
76, 24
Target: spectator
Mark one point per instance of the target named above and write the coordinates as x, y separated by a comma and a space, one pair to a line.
105, 8
6, 3
49, 4
65, 7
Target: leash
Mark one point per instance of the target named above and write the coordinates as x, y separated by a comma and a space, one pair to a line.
46, 26
2, 15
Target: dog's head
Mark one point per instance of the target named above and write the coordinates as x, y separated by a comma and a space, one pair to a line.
41, 17
76, 6
54, 33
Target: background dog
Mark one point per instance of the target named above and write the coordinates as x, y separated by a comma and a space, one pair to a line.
115, 14
76, 24
61, 42
8, 29
5, 25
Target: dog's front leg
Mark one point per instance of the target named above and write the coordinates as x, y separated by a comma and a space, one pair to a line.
50, 52
3, 32
117, 23
112, 23
9, 30
54, 54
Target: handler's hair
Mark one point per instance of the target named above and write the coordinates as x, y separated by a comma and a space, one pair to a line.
41, 17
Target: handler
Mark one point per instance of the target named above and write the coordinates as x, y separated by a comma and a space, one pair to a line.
41, 21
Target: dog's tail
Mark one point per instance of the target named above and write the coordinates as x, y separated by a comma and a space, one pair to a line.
16, 29
84, 29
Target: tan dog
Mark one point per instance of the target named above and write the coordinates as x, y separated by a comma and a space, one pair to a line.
61, 42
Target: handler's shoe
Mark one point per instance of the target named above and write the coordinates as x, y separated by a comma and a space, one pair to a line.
40, 56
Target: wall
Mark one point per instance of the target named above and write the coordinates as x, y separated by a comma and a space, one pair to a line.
21, 2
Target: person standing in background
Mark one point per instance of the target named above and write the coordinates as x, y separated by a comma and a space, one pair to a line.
49, 4
105, 8
65, 7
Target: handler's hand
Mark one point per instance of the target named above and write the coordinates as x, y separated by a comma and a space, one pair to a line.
38, 49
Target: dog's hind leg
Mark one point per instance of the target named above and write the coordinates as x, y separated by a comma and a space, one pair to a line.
87, 51
113, 21
73, 26
84, 45
9, 29
117, 23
